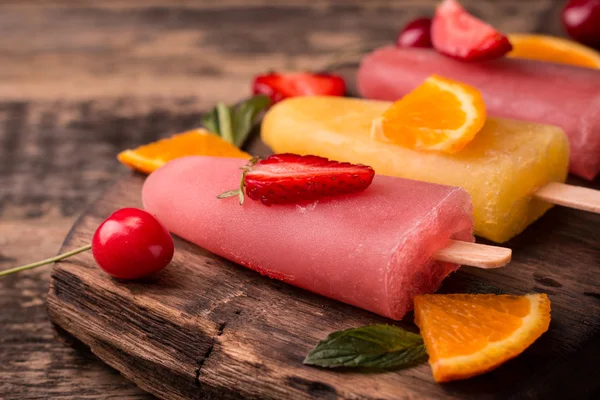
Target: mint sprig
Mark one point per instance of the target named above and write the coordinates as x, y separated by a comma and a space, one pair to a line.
234, 123
379, 347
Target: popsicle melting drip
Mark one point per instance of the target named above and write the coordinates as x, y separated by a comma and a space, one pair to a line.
546, 93
374, 250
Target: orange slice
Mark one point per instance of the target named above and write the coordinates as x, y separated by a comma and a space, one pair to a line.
553, 49
198, 142
469, 334
439, 115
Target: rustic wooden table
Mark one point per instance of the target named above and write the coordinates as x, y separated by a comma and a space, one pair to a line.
131, 72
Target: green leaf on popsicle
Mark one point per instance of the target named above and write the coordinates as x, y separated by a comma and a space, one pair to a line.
234, 123
381, 347
240, 191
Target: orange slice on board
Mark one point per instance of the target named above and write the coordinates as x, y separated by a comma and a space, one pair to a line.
553, 49
470, 334
439, 115
200, 142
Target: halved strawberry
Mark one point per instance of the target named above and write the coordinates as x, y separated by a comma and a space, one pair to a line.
458, 34
280, 86
290, 178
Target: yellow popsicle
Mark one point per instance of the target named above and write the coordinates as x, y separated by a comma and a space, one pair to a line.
501, 168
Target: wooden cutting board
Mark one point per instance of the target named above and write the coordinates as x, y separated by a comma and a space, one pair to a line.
207, 328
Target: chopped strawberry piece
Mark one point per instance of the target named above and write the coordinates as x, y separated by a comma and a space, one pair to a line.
290, 178
280, 86
458, 34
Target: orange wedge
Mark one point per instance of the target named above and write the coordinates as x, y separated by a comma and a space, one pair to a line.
469, 334
439, 115
553, 49
200, 142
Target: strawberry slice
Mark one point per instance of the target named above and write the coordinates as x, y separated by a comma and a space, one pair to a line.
458, 34
280, 86
292, 179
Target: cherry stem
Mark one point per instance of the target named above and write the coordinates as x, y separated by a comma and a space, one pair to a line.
46, 261
349, 55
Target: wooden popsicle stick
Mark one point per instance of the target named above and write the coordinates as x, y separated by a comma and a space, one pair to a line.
474, 254
578, 197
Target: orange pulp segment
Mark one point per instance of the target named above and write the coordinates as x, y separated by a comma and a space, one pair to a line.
553, 49
439, 115
470, 334
199, 142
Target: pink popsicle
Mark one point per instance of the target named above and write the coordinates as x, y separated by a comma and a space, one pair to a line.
547, 93
371, 249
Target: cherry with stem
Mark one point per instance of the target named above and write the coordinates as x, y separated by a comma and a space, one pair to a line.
129, 244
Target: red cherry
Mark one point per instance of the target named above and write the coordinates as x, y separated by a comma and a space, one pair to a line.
581, 19
131, 243
417, 33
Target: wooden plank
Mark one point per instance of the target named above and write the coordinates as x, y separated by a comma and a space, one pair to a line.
35, 363
92, 50
205, 327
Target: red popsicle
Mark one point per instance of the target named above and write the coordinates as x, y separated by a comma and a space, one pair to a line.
546, 93
373, 249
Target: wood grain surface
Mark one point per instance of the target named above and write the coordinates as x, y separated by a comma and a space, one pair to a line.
81, 81
207, 328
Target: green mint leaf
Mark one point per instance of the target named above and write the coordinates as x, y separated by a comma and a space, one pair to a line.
225, 123
210, 121
382, 347
245, 114
234, 123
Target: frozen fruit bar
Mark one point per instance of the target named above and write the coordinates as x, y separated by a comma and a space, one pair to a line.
371, 249
546, 93
501, 168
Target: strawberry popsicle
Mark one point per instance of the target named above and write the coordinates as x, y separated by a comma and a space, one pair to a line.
546, 93
371, 249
